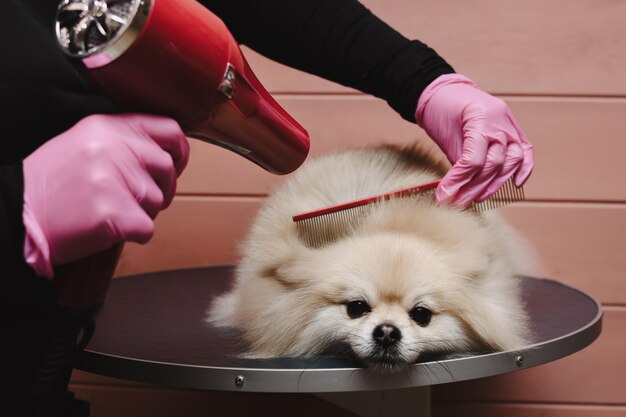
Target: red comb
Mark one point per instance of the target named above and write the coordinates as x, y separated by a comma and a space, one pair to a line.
365, 201
324, 225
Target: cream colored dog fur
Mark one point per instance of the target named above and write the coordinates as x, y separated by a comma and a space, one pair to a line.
411, 279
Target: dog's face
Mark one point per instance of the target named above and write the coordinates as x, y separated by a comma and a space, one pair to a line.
391, 299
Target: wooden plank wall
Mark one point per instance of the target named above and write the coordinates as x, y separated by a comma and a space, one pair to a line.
560, 65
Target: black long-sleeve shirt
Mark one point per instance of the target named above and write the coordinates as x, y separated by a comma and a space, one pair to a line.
41, 95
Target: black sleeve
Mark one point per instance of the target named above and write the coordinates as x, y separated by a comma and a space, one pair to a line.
20, 288
12, 236
339, 40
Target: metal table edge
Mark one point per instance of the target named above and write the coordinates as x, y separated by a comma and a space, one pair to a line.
299, 380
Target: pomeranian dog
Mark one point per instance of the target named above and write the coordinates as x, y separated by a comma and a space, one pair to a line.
402, 281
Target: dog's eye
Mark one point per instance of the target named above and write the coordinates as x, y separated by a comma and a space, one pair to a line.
421, 315
357, 309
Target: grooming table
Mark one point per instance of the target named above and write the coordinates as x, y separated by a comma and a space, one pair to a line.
151, 329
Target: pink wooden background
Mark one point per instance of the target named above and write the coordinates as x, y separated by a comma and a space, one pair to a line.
561, 66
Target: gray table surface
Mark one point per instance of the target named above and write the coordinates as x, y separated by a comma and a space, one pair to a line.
151, 329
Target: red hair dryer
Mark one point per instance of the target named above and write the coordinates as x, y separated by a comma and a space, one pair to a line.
174, 58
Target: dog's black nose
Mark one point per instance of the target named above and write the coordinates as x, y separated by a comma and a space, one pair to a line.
386, 334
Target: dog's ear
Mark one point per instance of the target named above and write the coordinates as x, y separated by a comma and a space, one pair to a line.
276, 260
281, 274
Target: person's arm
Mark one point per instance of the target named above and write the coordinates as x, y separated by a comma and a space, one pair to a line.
20, 288
343, 41
11, 226
339, 40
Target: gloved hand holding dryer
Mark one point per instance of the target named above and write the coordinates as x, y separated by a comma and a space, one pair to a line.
101, 182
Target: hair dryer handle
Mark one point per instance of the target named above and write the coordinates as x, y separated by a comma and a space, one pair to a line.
85, 282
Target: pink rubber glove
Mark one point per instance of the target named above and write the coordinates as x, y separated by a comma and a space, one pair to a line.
478, 134
101, 182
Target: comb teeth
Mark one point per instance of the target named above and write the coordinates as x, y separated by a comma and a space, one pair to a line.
321, 230
332, 225
506, 194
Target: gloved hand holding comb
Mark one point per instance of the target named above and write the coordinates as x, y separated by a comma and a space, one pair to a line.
478, 134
